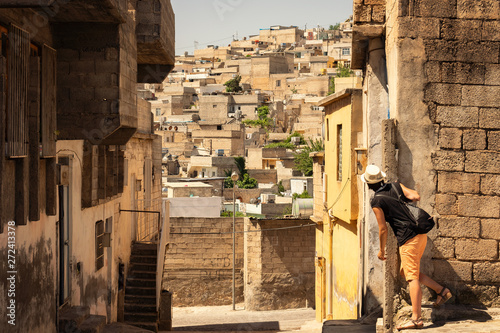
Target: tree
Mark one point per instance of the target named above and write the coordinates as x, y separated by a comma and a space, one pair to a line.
233, 85
331, 88
247, 182
335, 27
241, 165
344, 71
264, 121
303, 162
244, 181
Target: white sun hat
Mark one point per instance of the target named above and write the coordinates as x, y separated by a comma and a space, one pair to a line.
373, 175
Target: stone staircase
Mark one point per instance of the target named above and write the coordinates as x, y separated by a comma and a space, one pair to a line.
78, 319
140, 291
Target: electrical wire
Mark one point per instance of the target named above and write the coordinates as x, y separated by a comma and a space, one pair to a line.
242, 232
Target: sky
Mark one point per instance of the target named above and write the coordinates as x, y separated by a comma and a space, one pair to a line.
215, 22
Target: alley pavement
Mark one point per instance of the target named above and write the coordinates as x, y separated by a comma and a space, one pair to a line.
225, 319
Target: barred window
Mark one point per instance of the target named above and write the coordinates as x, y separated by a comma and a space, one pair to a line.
99, 249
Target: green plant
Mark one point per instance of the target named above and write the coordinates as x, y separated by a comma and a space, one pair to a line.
303, 195
264, 121
287, 211
287, 143
233, 85
335, 27
241, 166
247, 182
331, 88
281, 188
344, 71
228, 213
303, 162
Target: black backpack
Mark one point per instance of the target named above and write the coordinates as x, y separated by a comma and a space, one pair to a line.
422, 222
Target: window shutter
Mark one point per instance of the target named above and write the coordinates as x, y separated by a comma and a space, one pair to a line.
48, 118
17, 93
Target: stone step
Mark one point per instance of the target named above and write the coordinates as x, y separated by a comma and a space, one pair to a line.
70, 318
142, 267
136, 282
148, 326
146, 317
139, 308
143, 259
93, 324
140, 299
123, 328
142, 275
143, 291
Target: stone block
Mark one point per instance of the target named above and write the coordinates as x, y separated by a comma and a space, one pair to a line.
431, 8
432, 70
482, 161
444, 248
479, 206
461, 29
490, 184
362, 13
482, 96
494, 140
110, 93
476, 249
446, 204
474, 139
81, 94
489, 118
491, 31
416, 27
374, 2
448, 160
378, 14
472, 294
492, 75
464, 73
107, 66
457, 182
448, 270
461, 51
490, 229
453, 226
478, 9
443, 93
450, 138
487, 272
82, 66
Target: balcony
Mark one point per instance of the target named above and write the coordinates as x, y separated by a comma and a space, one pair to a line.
155, 32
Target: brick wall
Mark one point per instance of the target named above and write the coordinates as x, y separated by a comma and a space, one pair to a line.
198, 261
279, 265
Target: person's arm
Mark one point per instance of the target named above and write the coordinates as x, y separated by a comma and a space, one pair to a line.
382, 231
410, 194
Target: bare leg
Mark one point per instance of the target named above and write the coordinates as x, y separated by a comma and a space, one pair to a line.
416, 299
427, 281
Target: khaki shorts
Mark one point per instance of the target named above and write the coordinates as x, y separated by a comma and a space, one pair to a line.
411, 253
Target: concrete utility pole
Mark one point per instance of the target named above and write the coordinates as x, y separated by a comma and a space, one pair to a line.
234, 178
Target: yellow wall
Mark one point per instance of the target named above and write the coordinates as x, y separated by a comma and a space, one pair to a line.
337, 239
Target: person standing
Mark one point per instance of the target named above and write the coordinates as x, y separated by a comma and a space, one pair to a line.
386, 206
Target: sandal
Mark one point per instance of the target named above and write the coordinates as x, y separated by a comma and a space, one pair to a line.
444, 297
411, 324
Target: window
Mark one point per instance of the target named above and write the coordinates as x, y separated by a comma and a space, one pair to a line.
278, 83
158, 112
346, 51
219, 127
214, 106
339, 153
99, 248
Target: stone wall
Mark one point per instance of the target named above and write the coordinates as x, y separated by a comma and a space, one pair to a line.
198, 261
279, 264
451, 52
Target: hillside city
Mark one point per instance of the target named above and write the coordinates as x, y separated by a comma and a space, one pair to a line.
255, 99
